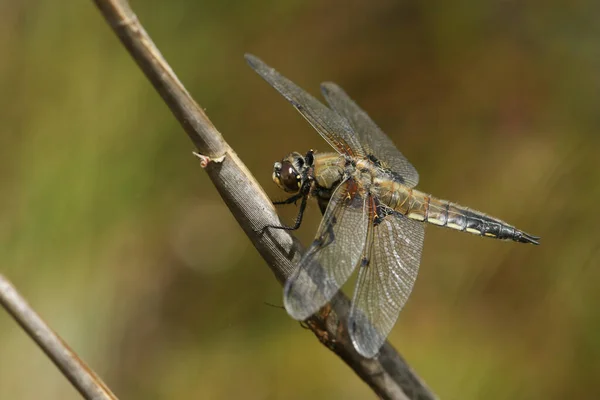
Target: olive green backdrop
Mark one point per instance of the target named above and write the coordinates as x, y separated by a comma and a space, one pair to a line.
111, 229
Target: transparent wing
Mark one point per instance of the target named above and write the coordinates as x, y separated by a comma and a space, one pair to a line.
385, 281
372, 138
334, 129
333, 255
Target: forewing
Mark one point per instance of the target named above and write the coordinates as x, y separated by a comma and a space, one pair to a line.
334, 129
385, 281
372, 138
333, 255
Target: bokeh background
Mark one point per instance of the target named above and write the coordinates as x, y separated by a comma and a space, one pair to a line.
111, 229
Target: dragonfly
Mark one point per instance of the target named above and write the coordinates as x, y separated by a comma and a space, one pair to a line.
373, 217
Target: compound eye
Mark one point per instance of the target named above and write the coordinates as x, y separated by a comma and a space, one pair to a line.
289, 178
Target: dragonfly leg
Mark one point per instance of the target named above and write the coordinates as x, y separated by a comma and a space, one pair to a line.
298, 217
290, 200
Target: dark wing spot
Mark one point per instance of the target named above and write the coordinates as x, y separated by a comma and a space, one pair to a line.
374, 160
381, 210
397, 177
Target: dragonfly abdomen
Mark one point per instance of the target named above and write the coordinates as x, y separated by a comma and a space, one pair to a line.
425, 208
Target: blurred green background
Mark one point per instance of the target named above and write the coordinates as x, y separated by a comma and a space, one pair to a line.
111, 229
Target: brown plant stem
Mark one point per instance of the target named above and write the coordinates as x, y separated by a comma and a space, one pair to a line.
77, 372
388, 374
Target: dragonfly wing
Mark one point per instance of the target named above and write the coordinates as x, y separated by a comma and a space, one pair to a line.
332, 127
372, 138
385, 281
333, 255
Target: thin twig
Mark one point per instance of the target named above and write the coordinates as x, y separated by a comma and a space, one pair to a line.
388, 374
81, 376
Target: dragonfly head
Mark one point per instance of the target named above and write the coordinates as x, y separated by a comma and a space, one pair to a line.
289, 173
